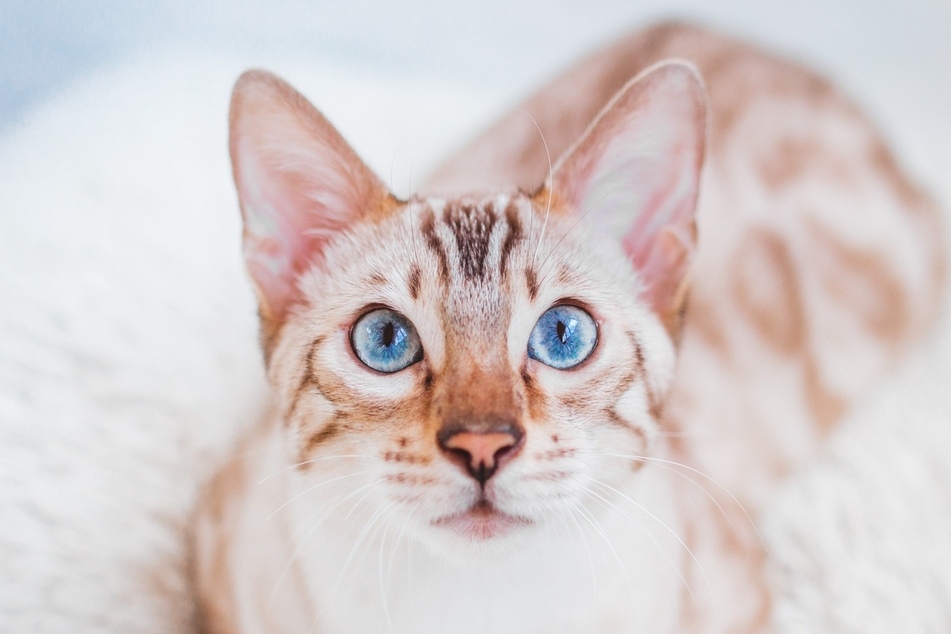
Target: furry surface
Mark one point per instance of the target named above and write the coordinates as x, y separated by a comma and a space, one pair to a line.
860, 540
129, 362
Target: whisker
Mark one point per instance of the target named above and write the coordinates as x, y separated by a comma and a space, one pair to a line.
301, 542
703, 475
550, 185
614, 508
386, 607
363, 534
594, 576
672, 532
627, 579
399, 538
311, 461
541, 269
309, 489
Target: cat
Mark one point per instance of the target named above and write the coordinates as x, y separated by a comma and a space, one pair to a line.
494, 407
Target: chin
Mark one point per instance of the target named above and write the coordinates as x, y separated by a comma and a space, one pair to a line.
476, 536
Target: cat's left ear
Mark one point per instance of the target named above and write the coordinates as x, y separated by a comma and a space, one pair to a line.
635, 175
299, 184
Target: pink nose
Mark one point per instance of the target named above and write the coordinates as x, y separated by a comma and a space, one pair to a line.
480, 452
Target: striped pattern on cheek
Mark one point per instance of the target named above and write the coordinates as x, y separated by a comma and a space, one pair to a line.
350, 410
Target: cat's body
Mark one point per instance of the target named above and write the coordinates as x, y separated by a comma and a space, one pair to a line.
816, 264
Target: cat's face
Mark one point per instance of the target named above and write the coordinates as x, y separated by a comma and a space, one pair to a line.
480, 366
484, 376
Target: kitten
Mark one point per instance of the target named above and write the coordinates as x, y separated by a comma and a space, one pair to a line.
478, 421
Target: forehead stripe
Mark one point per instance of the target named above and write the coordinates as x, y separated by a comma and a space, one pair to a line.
471, 226
512, 237
435, 245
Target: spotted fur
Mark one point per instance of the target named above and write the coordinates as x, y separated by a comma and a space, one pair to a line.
608, 526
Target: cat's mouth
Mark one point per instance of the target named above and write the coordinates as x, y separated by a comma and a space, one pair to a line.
482, 522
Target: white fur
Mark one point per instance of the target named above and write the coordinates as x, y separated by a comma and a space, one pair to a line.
861, 541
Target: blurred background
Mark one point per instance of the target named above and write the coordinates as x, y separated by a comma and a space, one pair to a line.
894, 56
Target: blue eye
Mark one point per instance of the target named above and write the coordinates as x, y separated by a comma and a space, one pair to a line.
563, 337
386, 341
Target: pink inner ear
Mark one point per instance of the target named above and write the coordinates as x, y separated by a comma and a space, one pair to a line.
273, 243
636, 173
299, 184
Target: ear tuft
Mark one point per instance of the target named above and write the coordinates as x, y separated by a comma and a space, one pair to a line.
635, 174
299, 185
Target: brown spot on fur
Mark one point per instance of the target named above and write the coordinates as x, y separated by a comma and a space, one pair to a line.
548, 476
328, 432
790, 158
531, 282
402, 456
512, 237
411, 479
472, 228
554, 454
414, 282
428, 229
737, 546
403, 441
767, 291
827, 408
377, 279
787, 161
564, 275
554, 438
864, 282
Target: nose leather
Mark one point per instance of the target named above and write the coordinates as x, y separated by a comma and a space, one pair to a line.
480, 452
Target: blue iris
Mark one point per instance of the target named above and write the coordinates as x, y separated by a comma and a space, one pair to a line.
386, 341
563, 337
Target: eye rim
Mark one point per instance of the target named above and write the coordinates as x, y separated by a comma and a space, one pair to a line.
595, 346
369, 310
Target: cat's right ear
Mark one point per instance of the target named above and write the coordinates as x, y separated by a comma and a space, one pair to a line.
635, 174
299, 184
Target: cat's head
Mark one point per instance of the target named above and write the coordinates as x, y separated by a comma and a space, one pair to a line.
477, 366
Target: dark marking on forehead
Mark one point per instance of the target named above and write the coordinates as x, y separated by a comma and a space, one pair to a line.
377, 279
565, 276
414, 282
531, 281
471, 226
435, 245
512, 237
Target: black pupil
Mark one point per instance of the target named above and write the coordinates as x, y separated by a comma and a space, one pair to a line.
388, 334
562, 331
